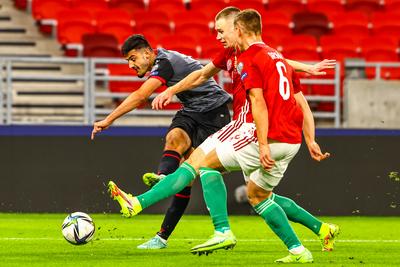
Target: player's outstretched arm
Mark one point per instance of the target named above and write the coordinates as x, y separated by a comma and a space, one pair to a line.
316, 69
191, 81
309, 129
134, 100
260, 115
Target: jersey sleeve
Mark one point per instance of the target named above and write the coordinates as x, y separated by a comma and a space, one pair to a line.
296, 83
220, 59
162, 71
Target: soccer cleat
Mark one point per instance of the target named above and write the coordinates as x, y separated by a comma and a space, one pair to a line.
327, 234
130, 205
151, 178
304, 257
217, 241
154, 243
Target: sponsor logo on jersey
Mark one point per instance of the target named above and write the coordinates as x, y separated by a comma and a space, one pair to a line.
244, 75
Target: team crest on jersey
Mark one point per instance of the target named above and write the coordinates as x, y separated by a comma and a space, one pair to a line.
229, 64
239, 67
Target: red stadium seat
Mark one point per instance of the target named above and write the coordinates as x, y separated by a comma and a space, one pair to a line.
113, 15
302, 55
374, 43
72, 24
365, 6
193, 16
122, 86
350, 18
315, 24
181, 43
197, 31
254, 4
21, 4
382, 55
100, 45
288, 6
210, 8
155, 33
339, 48
141, 18
210, 46
48, 9
127, 5
299, 42
277, 17
121, 30
392, 5
167, 6
386, 23
277, 31
329, 7
354, 31
91, 6
339, 53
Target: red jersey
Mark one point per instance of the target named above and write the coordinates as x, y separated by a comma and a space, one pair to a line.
227, 60
261, 66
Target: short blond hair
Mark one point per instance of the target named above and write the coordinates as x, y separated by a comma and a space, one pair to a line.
227, 12
249, 20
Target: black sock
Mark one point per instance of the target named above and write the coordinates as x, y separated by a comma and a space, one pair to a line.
169, 162
175, 212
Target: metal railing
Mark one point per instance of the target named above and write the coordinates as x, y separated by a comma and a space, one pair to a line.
93, 73
377, 65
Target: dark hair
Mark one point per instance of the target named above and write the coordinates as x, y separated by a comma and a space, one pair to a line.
136, 41
226, 12
249, 20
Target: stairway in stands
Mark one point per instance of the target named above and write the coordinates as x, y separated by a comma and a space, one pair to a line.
37, 101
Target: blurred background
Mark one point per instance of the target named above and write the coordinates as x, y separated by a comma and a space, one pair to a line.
61, 70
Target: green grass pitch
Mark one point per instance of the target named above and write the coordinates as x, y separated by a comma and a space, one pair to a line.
36, 240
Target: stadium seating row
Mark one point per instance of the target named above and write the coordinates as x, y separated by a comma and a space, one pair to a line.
290, 6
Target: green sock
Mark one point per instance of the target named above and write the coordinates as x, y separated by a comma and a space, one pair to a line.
214, 192
295, 213
276, 218
169, 185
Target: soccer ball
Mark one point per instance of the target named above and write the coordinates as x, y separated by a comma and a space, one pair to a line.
78, 228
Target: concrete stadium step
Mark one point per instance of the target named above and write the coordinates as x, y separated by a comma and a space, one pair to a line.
48, 100
66, 101
48, 87
24, 119
34, 111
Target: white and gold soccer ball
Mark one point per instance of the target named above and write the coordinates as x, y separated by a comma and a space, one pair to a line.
78, 228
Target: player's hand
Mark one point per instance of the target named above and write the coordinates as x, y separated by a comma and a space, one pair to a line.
315, 152
265, 157
317, 69
162, 100
99, 126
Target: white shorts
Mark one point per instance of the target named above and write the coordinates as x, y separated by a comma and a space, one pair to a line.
220, 136
241, 152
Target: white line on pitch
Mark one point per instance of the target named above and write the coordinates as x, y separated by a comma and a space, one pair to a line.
202, 239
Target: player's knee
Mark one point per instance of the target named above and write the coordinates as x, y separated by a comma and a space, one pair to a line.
177, 140
256, 196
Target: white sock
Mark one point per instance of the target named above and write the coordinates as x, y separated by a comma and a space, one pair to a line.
297, 250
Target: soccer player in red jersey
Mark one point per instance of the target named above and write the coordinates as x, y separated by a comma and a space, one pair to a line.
240, 141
